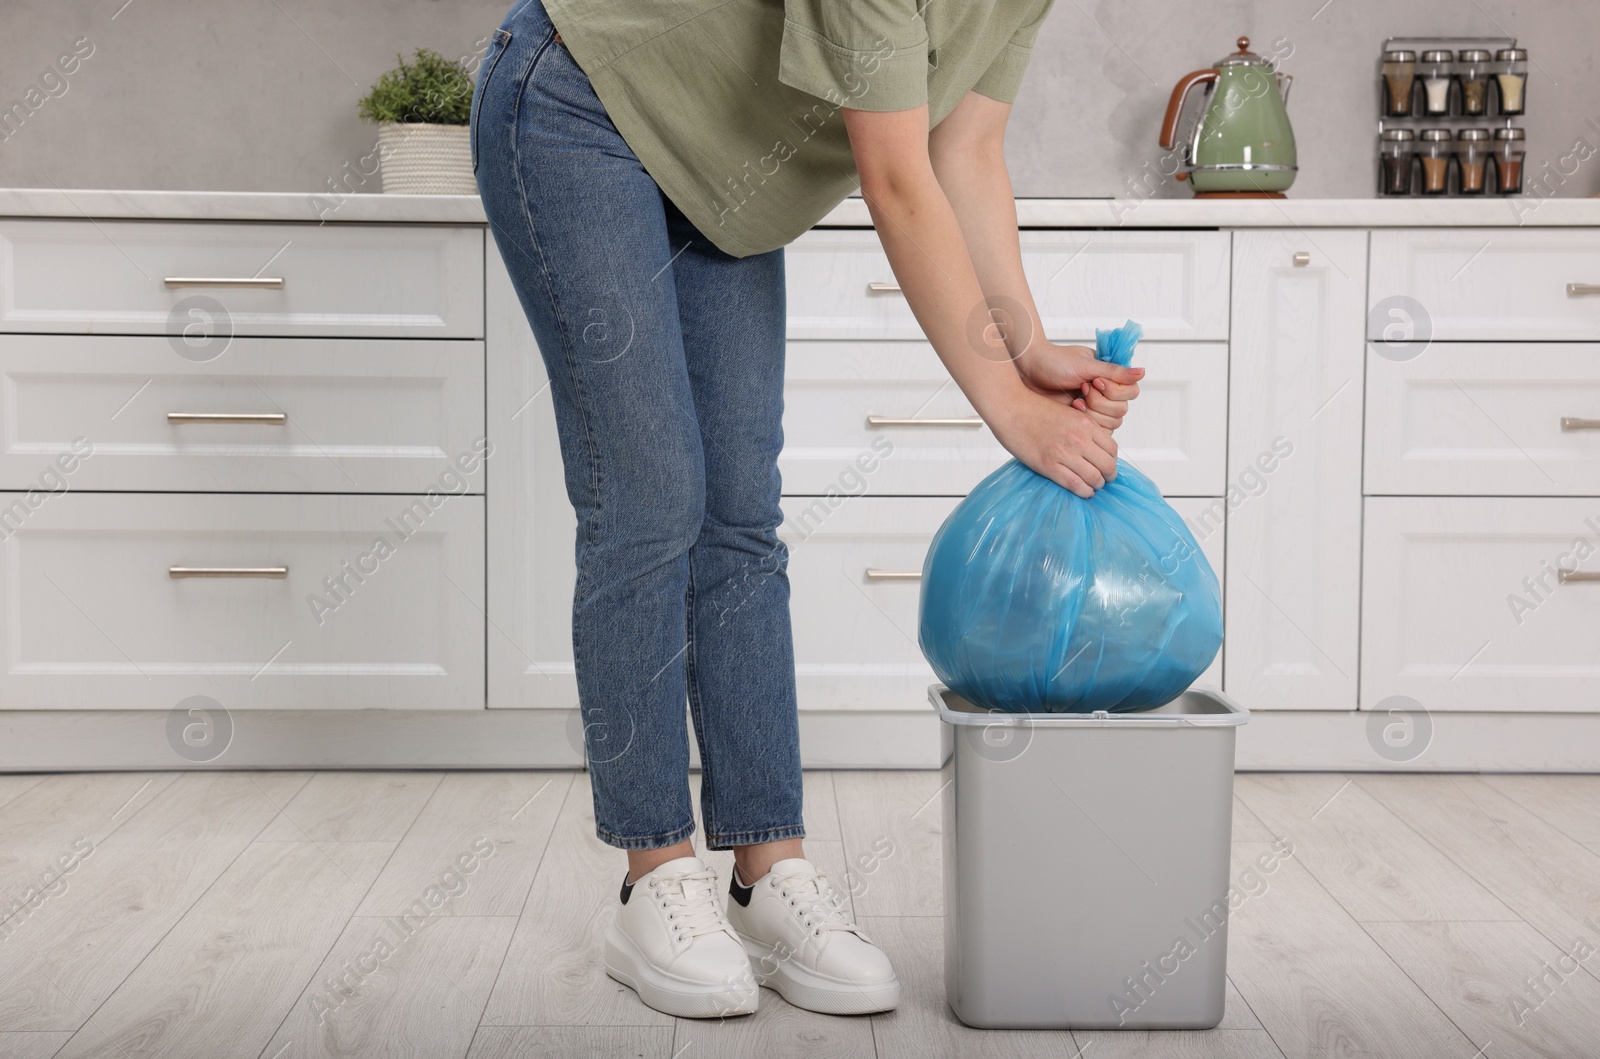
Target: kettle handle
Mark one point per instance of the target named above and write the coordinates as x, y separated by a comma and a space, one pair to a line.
1180, 92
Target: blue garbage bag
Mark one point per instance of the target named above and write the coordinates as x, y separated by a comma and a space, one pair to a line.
1037, 600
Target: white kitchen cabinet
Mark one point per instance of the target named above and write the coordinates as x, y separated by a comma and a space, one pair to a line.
240, 461
390, 340
1482, 604
338, 415
1175, 284
209, 281
1485, 419
1294, 470
138, 601
1476, 284
885, 418
854, 577
532, 529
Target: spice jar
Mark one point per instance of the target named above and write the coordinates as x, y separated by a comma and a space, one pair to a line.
1472, 158
1511, 72
1434, 72
1434, 151
1394, 153
1399, 77
1472, 71
1510, 147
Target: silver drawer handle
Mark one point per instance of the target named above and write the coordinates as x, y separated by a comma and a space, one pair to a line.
874, 574
1578, 290
227, 417
1302, 258
1563, 576
236, 283
880, 287
277, 572
1576, 423
892, 421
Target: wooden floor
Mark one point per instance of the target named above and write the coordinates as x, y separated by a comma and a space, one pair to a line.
208, 914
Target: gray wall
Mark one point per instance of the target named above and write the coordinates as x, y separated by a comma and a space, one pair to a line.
229, 95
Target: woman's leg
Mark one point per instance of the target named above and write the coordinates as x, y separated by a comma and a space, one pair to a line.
796, 924
740, 651
581, 228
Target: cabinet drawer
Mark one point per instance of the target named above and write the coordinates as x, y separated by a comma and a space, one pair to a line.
1487, 283
1463, 607
1485, 420
94, 617
354, 415
1175, 284
855, 632
846, 406
855, 629
209, 280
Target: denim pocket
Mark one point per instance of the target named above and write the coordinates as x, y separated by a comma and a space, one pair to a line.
497, 47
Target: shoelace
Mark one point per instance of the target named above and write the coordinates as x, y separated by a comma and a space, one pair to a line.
819, 905
690, 899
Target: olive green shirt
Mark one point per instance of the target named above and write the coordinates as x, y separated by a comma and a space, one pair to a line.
733, 106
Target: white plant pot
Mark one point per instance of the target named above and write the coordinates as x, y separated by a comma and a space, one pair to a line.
424, 159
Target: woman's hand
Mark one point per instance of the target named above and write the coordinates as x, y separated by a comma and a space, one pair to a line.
1072, 375
1106, 402
1062, 443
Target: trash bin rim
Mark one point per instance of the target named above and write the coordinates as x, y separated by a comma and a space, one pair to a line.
1230, 715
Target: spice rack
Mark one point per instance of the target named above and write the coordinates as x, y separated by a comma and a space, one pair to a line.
1461, 133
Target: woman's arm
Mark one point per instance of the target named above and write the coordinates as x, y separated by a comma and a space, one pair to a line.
967, 150
931, 259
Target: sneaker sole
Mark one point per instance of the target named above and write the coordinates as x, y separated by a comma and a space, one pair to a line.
815, 992
673, 996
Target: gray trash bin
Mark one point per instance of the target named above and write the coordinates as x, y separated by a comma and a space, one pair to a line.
1086, 864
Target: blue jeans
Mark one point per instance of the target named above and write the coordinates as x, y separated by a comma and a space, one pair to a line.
665, 358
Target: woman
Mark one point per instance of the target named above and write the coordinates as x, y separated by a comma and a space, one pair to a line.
642, 166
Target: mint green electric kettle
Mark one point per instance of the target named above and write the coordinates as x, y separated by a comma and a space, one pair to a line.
1243, 146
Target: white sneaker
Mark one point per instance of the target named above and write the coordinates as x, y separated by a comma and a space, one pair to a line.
803, 942
672, 944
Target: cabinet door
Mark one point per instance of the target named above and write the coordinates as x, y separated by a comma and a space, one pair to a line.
200, 283
532, 529
1294, 470
855, 570
1481, 603
1485, 419
284, 415
1488, 284
885, 417
140, 601
1174, 283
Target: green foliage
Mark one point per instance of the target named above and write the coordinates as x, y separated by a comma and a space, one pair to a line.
429, 89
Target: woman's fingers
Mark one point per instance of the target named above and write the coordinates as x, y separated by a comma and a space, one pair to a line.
1067, 479
1116, 374
1081, 468
1109, 422
1115, 391
1106, 406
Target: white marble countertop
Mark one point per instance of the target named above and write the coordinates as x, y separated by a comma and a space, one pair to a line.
1033, 213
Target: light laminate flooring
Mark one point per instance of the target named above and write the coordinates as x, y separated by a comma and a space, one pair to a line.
257, 914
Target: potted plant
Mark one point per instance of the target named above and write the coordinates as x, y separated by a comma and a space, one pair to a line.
422, 109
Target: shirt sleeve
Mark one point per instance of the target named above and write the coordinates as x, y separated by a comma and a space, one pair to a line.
1004, 76
862, 54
